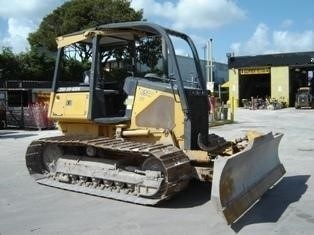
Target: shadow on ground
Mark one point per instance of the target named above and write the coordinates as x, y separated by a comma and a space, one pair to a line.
274, 202
4, 132
196, 194
14, 135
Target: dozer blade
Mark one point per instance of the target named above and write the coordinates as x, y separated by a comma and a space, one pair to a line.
240, 180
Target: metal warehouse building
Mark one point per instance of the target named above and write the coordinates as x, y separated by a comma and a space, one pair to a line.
275, 75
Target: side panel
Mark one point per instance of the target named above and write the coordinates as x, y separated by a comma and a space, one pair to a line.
158, 114
158, 111
69, 106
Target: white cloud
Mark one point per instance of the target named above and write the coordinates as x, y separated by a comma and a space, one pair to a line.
206, 14
259, 41
18, 29
287, 23
285, 41
236, 48
192, 14
265, 41
27, 9
153, 8
21, 18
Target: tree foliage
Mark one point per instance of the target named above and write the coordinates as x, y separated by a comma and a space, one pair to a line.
77, 15
72, 16
36, 65
32, 65
150, 52
9, 64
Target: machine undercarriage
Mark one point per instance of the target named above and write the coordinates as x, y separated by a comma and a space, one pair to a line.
135, 172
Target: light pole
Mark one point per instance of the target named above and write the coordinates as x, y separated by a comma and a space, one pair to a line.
209, 66
211, 59
205, 62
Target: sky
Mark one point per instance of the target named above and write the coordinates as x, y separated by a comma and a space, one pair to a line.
242, 27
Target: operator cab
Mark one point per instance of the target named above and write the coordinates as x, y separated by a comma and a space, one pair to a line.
111, 60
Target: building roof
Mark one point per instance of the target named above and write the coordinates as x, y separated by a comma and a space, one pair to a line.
272, 60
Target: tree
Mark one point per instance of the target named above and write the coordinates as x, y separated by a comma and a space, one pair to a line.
150, 52
36, 65
32, 65
77, 15
9, 64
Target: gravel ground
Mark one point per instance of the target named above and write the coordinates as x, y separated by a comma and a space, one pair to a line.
287, 208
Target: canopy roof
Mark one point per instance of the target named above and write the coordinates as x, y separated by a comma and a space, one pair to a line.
114, 34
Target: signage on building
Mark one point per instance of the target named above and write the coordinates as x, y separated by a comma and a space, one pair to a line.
259, 70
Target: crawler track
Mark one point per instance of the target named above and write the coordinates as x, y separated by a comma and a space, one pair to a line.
115, 171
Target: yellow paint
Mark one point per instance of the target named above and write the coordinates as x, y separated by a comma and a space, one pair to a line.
234, 87
143, 99
86, 129
280, 83
71, 110
198, 155
87, 36
70, 106
78, 128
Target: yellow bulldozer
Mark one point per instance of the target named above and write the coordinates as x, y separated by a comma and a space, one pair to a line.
141, 135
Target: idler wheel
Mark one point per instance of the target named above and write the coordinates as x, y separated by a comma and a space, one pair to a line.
152, 164
51, 154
